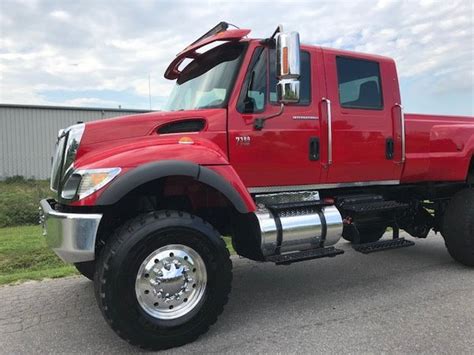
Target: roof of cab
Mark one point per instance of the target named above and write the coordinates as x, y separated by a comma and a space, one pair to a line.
347, 53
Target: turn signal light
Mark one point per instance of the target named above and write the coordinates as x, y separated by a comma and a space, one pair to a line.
285, 63
186, 140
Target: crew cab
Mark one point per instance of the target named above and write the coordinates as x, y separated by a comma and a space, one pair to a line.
285, 148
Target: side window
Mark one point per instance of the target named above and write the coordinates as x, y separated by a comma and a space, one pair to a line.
305, 78
254, 91
359, 83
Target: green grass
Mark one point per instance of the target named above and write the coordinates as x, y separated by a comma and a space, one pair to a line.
19, 200
228, 244
24, 255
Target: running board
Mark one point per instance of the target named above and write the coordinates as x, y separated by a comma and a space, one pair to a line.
289, 258
383, 245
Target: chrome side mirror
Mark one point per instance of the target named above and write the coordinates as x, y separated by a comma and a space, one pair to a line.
288, 67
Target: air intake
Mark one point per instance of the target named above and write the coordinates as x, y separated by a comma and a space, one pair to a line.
190, 125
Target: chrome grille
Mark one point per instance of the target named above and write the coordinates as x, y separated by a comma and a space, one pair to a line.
57, 162
65, 154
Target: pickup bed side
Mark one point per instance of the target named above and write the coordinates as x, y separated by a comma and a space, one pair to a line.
439, 148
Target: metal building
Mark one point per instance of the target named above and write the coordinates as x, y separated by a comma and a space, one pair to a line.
28, 134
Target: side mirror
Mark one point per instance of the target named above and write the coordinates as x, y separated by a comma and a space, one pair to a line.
288, 67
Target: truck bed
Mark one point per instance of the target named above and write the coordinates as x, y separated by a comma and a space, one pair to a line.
438, 148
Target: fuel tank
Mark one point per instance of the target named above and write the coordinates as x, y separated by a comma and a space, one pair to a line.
291, 229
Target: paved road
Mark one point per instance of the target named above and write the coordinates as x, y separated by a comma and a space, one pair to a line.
407, 300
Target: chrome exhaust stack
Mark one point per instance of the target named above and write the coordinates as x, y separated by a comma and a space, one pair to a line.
293, 229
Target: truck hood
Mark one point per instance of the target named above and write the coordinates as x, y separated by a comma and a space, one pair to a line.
139, 125
134, 140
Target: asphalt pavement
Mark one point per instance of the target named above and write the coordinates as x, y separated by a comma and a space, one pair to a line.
406, 300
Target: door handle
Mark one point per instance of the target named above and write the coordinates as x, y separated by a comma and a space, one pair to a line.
313, 148
389, 148
329, 132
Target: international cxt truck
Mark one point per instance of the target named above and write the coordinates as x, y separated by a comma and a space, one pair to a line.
284, 148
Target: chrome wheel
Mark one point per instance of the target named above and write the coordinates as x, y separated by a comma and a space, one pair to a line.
171, 282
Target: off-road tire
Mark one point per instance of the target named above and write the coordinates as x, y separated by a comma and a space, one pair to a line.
87, 269
458, 227
367, 234
117, 271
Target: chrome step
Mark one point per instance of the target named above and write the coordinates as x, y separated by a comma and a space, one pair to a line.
289, 258
383, 245
376, 206
288, 199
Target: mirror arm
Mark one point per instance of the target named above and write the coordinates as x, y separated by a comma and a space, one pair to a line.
271, 41
279, 29
259, 123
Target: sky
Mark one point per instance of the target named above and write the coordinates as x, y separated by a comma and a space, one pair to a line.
102, 53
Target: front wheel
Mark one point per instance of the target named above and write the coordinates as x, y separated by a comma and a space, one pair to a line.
458, 227
163, 279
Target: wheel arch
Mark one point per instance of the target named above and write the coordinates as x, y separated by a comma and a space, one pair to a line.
147, 173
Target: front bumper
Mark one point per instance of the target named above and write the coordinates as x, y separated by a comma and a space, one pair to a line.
72, 236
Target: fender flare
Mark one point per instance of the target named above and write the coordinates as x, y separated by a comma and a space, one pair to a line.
156, 170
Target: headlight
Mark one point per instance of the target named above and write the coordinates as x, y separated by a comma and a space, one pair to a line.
83, 183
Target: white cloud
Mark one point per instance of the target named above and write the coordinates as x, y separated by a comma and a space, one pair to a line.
91, 46
385, 4
60, 15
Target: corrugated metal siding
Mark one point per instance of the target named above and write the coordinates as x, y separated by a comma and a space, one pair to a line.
28, 135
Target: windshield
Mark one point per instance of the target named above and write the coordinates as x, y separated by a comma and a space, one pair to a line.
206, 82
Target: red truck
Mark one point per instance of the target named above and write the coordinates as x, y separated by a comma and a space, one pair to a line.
284, 148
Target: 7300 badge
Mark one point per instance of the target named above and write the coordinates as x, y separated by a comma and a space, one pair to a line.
242, 140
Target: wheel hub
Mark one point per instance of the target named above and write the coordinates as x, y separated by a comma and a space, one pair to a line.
171, 282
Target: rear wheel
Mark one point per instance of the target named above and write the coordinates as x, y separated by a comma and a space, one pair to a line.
458, 227
367, 234
163, 279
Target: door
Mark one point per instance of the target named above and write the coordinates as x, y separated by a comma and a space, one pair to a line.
284, 154
364, 133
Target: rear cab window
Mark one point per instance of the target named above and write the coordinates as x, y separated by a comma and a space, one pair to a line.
359, 83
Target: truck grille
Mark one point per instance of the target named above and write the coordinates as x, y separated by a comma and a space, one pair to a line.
57, 162
65, 154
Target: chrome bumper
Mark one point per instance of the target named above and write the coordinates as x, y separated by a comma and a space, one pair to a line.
71, 235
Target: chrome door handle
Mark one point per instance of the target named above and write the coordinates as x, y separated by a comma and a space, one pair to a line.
328, 107
402, 127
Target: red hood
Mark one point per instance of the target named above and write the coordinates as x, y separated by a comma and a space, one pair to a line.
136, 125
134, 140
